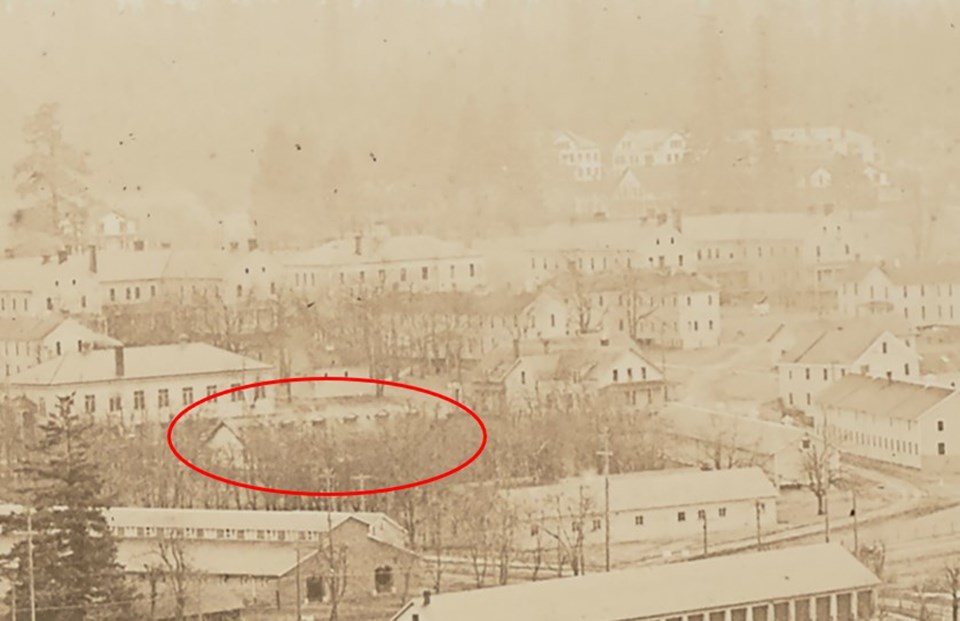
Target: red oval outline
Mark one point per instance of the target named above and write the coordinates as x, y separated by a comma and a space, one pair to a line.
288, 492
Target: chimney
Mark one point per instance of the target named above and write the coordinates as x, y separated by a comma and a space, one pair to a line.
357, 244
426, 598
46, 259
252, 244
118, 360
93, 258
62, 256
604, 341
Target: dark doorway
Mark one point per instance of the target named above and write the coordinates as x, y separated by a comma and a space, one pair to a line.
314, 589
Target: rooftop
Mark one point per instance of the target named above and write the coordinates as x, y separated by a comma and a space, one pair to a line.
744, 432
654, 489
296, 521
660, 591
219, 558
882, 398
841, 343
99, 365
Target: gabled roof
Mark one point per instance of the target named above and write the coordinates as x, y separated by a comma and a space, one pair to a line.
881, 397
660, 591
840, 344
99, 365
648, 139
393, 248
28, 328
625, 235
742, 432
652, 489
216, 558
294, 521
579, 141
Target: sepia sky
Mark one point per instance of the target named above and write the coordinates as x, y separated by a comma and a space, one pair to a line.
192, 90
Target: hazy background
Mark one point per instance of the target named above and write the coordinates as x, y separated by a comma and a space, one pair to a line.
429, 109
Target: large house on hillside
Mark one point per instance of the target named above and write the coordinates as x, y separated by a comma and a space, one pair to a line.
924, 294
28, 341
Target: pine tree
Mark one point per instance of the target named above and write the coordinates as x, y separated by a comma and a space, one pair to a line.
75, 569
52, 177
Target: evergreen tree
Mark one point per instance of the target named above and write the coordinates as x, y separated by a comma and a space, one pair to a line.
52, 177
75, 571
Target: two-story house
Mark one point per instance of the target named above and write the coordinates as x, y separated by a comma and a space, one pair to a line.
581, 156
536, 372
650, 147
28, 341
825, 356
924, 294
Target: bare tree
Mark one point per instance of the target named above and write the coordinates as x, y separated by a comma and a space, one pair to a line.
951, 580
570, 540
176, 571
819, 466
334, 557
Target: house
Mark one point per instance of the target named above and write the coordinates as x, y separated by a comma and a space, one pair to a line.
114, 231
708, 439
923, 293
838, 140
898, 422
651, 147
137, 385
599, 245
378, 261
823, 357
580, 155
28, 341
672, 310
539, 371
819, 178
38, 286
749, 253
821, 582
658, 505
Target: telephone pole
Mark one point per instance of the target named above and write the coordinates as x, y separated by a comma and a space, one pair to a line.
759, 532
361, 480
704, 520
856, 534
606, 454
299, 596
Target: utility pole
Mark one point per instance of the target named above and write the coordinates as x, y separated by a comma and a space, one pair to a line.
299, 596
856, 534
361, 480
606, 454
759, 532
704, 520
33, 589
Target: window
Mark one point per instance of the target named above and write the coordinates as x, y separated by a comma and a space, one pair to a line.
113, 295
597, 524
638, 520
826, 374
941, 448
187, 395
615, 375
722, 512
49, 303
383, 579
239, 291
425, 273
884, 347
260, 392
534, 530
211, 390
137, 292
806, 443
138, 400
90, 404
939, 425
807, 373
682, 516
906, 369
116, 403
153, 291
701, 514
403, 274
163, 398
236, 395
523, 377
